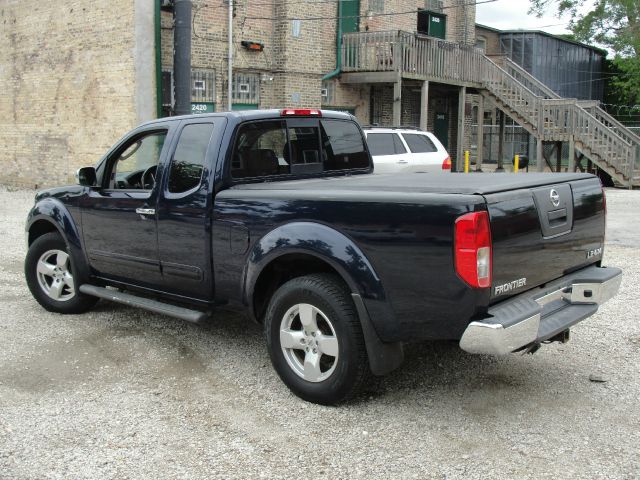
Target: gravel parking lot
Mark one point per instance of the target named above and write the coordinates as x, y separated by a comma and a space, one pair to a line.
122, 393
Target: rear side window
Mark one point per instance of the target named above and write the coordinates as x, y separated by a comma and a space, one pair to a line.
385, 144
260, 150
419, 143
343, 146
189, 158
268, 148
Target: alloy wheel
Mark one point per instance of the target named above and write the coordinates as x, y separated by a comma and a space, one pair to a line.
54, 275
309, 342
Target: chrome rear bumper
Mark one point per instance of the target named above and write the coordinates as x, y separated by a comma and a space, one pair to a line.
542, 313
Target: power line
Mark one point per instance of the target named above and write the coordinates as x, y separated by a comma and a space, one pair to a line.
272, 4
387, 14
592, 80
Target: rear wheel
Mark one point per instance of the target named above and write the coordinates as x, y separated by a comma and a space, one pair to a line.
315, 340
50, 279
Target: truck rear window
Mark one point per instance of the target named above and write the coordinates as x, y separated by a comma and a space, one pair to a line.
269, 148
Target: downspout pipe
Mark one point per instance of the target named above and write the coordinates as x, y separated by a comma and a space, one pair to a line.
230, 57
338, 69
158, 51
182, 56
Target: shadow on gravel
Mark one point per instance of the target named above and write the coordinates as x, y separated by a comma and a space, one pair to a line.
113, 341
439, 373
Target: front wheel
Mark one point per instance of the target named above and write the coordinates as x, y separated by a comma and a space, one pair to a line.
50, 277
315, 339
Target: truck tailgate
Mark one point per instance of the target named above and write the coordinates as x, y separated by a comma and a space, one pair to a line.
544, 232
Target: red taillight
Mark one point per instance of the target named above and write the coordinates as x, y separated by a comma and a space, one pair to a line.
472, 244
301, 112
446, 165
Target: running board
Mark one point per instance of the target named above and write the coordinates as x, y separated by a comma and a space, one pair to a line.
193, 316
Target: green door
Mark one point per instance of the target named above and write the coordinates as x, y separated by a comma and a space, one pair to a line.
349, 11
441, 129
350, 15
437, 25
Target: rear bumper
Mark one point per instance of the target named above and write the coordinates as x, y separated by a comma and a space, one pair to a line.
539, 314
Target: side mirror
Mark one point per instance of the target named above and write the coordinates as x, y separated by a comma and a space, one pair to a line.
86, 176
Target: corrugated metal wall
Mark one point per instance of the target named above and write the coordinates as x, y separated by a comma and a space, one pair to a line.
571, 70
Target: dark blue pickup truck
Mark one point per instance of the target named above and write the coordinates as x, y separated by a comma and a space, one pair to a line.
279, 214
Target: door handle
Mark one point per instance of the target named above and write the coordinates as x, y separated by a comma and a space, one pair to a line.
146, 211
403, 161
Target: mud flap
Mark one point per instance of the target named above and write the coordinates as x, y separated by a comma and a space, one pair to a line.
383, 357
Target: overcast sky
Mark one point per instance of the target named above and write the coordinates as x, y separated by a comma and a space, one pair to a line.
512, 15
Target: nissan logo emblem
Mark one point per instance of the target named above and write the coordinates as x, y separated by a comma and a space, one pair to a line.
555, 198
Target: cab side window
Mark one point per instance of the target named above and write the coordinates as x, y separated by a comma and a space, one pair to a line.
189, 160
136, 163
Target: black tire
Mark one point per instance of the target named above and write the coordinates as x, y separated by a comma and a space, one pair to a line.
605, 178
70, 300
348, 370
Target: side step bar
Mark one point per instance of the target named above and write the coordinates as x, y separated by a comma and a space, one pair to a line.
193, 316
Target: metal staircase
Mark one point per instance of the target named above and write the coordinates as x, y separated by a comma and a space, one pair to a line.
588, 128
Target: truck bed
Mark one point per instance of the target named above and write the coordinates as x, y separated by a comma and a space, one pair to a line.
454, 183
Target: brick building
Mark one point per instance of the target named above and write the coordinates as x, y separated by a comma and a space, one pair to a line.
295, 68
77, 74
74, 76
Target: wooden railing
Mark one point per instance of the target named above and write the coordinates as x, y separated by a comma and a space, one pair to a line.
632, 138
528, 80
550, 117
412, 54
560, 118
582, 126
613, 124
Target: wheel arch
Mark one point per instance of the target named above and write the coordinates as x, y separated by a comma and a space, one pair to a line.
301, 248
284, 267
41, 227
51, 216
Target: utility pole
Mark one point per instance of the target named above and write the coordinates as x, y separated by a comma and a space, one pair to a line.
230, 58
182, 56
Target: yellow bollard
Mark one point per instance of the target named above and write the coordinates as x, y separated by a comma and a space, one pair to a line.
516, 161
466, 161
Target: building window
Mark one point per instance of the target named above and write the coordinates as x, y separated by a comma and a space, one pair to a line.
296, 27
203, 90
481, 43
203, 85
327, 93
167, 88
246, 88
376, 6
